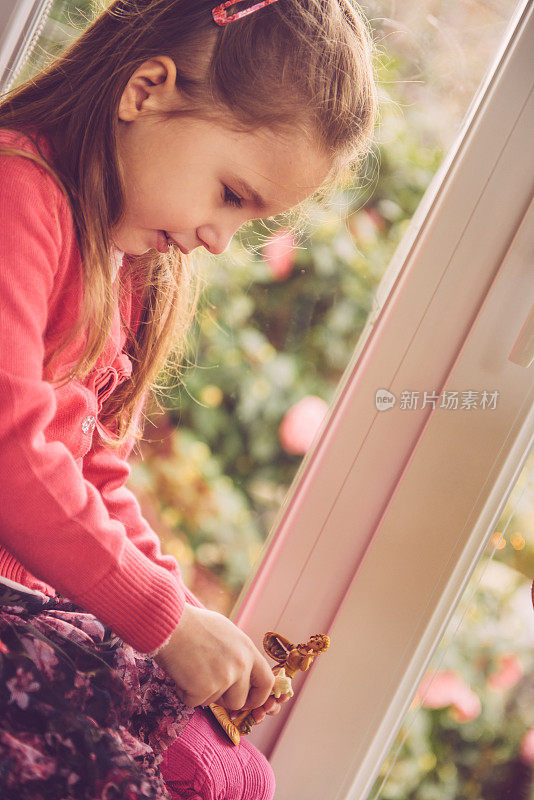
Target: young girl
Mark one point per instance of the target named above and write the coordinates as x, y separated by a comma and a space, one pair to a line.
163, 128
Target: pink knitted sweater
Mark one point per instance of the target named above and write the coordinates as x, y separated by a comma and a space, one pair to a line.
68, 523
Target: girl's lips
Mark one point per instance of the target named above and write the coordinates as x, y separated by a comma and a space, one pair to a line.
163, 244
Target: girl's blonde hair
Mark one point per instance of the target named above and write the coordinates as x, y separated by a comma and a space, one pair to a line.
302, 66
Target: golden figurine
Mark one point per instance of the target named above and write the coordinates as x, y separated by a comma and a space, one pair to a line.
291, 659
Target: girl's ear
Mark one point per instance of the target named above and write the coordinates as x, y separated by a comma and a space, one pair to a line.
152, 87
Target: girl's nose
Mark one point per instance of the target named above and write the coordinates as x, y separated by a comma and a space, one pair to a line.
218, 245
216, 242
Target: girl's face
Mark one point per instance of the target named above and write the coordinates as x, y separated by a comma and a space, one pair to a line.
186, 176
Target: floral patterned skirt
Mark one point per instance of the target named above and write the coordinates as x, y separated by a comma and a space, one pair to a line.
82, 714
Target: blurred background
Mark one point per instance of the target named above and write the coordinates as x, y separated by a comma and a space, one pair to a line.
280, 316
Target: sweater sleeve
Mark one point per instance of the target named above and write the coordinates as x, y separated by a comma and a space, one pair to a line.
52, 518
109, 471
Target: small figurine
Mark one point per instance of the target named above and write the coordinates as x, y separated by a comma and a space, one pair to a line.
291, 659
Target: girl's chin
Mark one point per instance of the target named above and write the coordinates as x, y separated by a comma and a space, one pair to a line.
118, 245
130, 251
135, 246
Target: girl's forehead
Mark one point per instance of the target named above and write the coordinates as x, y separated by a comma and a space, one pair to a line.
276, 171
283, 171
286, 181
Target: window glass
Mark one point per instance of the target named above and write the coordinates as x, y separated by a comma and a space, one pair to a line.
469, 732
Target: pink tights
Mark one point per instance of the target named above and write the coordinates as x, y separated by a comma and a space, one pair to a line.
202, 764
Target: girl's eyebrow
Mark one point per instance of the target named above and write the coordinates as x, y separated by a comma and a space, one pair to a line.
243, 186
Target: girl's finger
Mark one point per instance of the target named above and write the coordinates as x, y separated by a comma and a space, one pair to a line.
259, 714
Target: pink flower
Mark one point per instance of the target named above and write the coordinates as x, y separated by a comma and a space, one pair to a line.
376, 217
301, 423
508, 674
42, 654
20, 686
279, 254
365, 225
467, 706
526, 748
446, 688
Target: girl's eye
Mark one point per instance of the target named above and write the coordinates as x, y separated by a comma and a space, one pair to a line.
230, 197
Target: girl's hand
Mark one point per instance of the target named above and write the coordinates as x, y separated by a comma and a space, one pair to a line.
271, 706
211, 660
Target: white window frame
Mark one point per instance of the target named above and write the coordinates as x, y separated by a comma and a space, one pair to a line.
21, 25
390, 511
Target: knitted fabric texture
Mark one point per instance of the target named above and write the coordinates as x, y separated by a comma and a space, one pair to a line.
202, 764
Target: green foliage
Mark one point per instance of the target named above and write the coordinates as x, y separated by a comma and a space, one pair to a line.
436, 756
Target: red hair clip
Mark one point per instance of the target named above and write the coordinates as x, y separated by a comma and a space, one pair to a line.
219, 13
